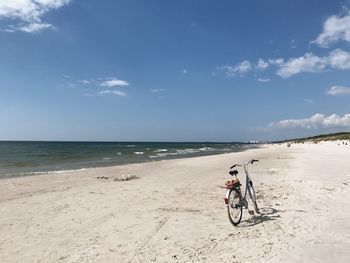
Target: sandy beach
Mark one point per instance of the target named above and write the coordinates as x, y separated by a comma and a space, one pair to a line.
174, 211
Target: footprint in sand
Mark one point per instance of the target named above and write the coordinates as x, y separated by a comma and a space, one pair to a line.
272, 171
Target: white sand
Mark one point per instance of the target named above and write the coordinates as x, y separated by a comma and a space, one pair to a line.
175, 211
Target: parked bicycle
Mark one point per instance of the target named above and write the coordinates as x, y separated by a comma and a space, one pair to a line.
234, 199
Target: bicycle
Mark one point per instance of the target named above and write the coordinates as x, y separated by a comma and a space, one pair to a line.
234, 199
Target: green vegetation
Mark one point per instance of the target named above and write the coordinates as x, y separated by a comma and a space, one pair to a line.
324, 137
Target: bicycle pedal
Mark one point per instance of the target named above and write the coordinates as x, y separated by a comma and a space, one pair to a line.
251, 212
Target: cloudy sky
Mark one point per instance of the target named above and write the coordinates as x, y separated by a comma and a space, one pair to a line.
164, 70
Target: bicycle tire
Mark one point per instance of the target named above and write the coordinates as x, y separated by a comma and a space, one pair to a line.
234, 206
253, 196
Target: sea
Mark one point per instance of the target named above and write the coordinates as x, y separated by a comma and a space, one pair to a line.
20, 158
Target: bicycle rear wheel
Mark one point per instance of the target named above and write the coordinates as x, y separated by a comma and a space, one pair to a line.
234, 207
253, 196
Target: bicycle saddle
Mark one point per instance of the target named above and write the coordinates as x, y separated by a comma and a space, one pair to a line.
234, 172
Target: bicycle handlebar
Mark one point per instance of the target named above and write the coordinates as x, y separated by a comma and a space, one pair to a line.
250, 162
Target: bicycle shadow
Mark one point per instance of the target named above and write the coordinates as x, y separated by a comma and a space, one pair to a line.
267, 214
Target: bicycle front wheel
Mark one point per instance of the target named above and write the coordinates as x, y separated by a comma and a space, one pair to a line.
253, 196
234, 207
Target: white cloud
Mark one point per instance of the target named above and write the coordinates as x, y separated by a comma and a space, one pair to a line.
338, 91
239, 69
335, 28
339, 59
243, 67
28, 13
310, 101
293, 43
262, 64
307, 63
264, 79
112, 92
156, 90
34, 27
278, 61
92, 86
114, 83
317, 121
85, 81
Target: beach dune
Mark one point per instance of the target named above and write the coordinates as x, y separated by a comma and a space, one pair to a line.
174, 211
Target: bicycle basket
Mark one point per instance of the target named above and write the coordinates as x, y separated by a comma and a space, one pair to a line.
232, 183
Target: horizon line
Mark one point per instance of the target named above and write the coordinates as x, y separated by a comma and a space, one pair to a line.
98, 141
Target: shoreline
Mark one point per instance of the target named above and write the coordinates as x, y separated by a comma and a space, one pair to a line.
174, 210
177, 157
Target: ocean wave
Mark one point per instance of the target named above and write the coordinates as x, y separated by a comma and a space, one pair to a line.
187, 151
225, 150
178, 152
164, 154
138, 152
160, 150
43, 172
204, 149
67, 171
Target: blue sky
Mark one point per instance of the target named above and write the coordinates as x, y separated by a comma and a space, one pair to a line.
185, 70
